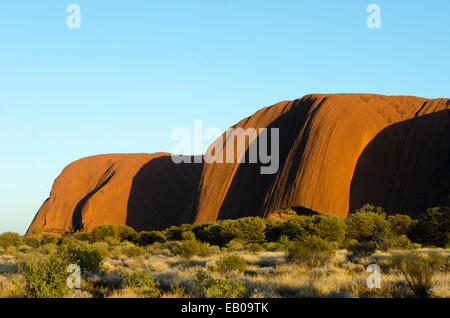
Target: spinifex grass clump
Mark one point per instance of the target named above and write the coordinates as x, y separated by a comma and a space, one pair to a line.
418, 270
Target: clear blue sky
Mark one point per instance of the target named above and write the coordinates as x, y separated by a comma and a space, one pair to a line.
138, 69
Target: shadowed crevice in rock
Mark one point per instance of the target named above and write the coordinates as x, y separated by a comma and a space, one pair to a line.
249, 187
163, 193
77, 216
406, 167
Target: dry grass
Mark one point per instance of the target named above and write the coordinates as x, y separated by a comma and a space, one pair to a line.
267, 275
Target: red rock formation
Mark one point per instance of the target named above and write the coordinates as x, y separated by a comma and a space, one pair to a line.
336, 153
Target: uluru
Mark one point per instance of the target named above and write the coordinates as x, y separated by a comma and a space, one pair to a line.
336, 152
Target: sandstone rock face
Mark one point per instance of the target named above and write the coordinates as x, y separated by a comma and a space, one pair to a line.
336, 152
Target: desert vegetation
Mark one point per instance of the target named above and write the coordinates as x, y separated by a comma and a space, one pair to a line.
301, 256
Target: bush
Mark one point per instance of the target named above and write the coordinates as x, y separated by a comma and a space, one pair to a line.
219, 233
206, 286
150, 237
10, 239
328, 227
397, 242
88, 259
367, 224
47, 238
283, 243
189, 248
400, 224
175, 232
362, 249
312, 251
32, 241
102, 248
433, 227
126, 233
82, 236
37, 231
294, 228
131, 250
418, 271
111, 241
188, 236
235, 245
47, 280
49, 248
274, 230
231, 263
99, 233
143, 281
254, 247
250, 230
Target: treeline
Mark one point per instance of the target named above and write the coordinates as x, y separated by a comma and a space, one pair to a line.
369, 227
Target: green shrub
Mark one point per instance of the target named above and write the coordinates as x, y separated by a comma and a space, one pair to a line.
111, 241
274, 230
47, 238
175, 232
235, 245
144, 282
400, 224
126, 233
219, 233
312, 251
187, 249
150, 237
49, 248
250, 230
397, 242
295, 228
283, 243
367, 224
254, 247
362, 249
88, 259
206, 286
328, 227
231, 263
99, 233
10, 239
433, 227
37, 231
131, 250
102, 248
82, 236
46, 280
418, 271
32, 241
188, 236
